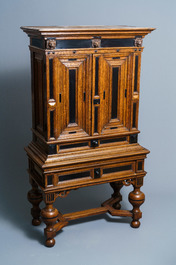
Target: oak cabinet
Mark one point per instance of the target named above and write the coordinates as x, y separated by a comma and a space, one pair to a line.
85, 103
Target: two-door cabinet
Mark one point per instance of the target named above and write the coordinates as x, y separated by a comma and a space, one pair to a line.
85, 103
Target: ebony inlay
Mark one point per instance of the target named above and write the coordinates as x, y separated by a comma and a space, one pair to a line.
69, 44
51, 77
134, 114
136, 73
52, 149
96, 120
96, 75
133, 138
117, 42
114, 92
51, 123
67, 146
113, 140
74, 176
117, 169
140, 165
72, 99
49, 180
37, 43
87, 43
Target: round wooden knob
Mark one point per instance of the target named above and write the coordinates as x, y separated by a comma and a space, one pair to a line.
97, 172
94, 143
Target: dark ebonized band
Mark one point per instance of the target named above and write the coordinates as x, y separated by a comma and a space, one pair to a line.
134, 114
96, 75
96, 120
49, 180
51, 77
106, 141
85, 43
72, 80
73, 44
116, 169
133, 138
140, 165
52, 149
39, 43
114, 92
68, 146
74, 176
136, 73
117, 42
51, 124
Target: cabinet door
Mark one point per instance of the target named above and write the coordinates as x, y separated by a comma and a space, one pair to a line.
71, 116
111, 93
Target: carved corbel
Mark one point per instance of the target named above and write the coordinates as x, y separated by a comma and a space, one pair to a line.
51, 44
128, 182
63, 194
138, 42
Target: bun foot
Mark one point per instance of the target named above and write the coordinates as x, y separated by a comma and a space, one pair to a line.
135, 224
36, 222
50, 242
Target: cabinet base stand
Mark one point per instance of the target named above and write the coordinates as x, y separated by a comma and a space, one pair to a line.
55, 221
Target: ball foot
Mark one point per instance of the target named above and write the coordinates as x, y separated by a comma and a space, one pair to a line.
135, 224
50, 242
36, 222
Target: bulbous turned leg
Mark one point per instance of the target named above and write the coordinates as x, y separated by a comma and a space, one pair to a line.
49, 216
35, 198
136, 198
117, 195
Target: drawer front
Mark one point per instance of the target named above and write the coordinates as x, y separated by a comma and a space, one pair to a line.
90, 176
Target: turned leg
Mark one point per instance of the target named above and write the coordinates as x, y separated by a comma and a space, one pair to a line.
49, 216
116, 195
35, 198
136, 198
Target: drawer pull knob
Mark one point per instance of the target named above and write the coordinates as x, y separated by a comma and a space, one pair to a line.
94, 143
97, 173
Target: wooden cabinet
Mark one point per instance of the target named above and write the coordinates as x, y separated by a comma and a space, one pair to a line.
85, 103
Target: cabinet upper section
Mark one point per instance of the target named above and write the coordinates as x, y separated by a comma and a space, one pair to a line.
86, 36
85, 83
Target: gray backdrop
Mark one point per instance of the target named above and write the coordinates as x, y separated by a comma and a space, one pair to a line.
99, 240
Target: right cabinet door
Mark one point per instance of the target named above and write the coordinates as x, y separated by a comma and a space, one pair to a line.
112, 86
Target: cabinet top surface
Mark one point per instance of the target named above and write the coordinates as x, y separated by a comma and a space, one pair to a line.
47, 30
65, 28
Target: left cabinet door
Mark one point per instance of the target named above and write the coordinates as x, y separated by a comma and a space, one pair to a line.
69, 97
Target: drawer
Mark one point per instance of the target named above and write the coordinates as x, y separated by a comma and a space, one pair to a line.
90, 176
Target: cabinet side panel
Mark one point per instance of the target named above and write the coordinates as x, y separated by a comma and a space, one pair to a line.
38, 93
135, 90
